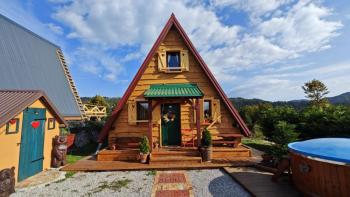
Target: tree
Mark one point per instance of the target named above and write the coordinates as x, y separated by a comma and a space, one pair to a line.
315, 90
99, 101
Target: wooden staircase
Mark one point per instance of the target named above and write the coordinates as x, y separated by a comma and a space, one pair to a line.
175, 156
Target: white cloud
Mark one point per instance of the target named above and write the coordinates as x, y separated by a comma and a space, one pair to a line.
97, 61
55, 28
286, 84
279, 31
255, 8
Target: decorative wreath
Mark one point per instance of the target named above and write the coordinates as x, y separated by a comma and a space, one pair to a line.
170, 116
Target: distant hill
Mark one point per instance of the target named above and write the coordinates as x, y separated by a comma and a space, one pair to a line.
238, 102
342, 99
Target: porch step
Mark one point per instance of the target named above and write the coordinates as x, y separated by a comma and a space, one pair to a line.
118, 155
222, 152
176, 156
176, 153
175, 159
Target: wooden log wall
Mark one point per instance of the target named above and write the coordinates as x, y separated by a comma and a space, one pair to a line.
152, 76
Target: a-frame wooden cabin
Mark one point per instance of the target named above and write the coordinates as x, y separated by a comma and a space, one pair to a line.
172, 98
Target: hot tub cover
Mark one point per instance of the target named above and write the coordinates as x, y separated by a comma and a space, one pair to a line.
334, 149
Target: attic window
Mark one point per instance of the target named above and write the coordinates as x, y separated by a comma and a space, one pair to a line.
173, 60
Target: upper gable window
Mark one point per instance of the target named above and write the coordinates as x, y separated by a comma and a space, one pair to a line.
173, 60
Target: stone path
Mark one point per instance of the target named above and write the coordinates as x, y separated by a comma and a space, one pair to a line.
172, 184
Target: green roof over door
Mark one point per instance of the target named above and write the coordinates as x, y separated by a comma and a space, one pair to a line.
173, 90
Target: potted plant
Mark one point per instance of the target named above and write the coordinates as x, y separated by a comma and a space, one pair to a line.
144, 149
206, 145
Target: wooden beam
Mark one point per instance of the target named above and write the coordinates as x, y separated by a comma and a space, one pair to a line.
150, 109
198, 124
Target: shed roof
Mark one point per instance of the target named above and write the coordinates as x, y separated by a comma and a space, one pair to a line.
173, 90
13, 102
30, 62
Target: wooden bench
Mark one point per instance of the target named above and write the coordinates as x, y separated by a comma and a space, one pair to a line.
232, 139
124, 142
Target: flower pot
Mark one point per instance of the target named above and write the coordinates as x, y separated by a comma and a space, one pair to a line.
143, 157
70, 140
207, 153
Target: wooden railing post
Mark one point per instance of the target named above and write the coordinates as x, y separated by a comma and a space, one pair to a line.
150, 126
198, 123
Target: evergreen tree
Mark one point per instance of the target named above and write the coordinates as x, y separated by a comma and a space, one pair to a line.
315, 90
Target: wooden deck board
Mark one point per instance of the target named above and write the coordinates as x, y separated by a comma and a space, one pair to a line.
90, 164
259, 183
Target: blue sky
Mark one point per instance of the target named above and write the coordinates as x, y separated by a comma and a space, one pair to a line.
256, 48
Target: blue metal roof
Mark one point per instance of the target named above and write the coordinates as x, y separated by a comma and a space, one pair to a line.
28, 61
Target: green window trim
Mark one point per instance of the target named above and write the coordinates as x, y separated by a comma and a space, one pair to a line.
8, 126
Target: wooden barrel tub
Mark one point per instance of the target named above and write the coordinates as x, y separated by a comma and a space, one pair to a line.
321, 167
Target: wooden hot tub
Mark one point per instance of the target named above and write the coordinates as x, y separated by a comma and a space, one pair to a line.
321, 167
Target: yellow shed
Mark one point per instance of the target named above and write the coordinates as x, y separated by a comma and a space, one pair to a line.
28, 123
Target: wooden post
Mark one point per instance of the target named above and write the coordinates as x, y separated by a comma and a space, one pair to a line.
150, 126
198, 123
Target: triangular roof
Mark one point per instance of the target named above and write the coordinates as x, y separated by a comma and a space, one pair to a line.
30, 62
172, 22
13, 102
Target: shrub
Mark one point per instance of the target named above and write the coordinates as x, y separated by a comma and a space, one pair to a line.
206, 138
283, 133
144, 145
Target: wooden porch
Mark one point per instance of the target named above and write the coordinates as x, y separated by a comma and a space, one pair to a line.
163, 159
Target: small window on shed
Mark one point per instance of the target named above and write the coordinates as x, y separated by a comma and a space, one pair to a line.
142, 110
51, 124
173, 60
12, 126
207, 111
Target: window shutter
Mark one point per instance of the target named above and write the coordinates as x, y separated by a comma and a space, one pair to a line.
216, 110
184, 60
132, 112
201, 107
161, 60
156, 115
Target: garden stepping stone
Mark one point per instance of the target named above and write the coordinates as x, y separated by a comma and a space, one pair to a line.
171, 184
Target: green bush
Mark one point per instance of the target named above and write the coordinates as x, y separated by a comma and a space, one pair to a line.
144, 145
206, 138
331, 121
282, 134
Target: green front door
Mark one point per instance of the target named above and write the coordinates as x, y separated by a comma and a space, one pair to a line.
32, 142
171, 131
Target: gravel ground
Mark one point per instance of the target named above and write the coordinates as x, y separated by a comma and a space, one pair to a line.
132, 183
215, 183
117, 183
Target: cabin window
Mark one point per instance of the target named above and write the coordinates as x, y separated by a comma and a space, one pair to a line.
142, 110
51, 124
173, 60
12, 126
207, 111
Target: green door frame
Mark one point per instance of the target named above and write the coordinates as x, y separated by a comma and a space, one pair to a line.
32, 143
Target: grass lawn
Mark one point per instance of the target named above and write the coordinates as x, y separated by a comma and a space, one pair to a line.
257, 143
78, 153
